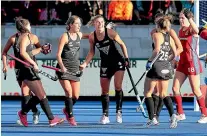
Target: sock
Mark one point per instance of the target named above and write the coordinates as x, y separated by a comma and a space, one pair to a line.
169, 105
156, 102
25, 100
105, 104
74, 100
119, 99
179, 106
34, 108
201, 103
150, 107
46, 108
160, 106
31, 103
69, 106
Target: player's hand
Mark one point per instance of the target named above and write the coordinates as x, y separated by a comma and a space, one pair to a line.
188, 14
63, 70
4, 69
36, 68
148, 65
127, 62
82, 66
46, 48
174, 64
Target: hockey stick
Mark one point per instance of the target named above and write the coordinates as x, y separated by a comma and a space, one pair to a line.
40, 71
145, 72
5, 75
78, 73
137, 95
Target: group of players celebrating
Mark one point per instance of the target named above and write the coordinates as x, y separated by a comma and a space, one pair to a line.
166, 44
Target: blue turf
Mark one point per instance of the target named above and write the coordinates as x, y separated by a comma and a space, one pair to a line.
88, 114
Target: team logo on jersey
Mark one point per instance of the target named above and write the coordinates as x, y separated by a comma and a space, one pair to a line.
103, 70
166, 43
70, 44
165, 71
97, 45
105, 49
77, 42
74, 50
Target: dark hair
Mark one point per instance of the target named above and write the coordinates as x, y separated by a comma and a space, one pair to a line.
21, 24
71, 20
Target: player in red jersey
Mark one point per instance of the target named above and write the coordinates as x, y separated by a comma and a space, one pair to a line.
189, 65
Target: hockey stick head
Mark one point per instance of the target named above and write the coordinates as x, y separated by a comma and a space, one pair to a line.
5, 75
205, 80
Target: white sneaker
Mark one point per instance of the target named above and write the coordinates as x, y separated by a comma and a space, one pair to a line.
151, 122
104, 120
203, 119
181, 117
174, 121
36, 117
119, 117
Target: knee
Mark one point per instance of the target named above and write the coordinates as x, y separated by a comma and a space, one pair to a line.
175, 90
76, 97
163, 94
118, 87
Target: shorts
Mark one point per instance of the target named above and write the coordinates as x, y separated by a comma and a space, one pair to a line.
161, 71
190, 67
108, 72
67, 76
26, 74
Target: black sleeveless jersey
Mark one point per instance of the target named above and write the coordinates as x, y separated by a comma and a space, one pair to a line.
16, 48
70, 54
108, 52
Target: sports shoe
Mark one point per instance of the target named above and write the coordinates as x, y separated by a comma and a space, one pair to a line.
55, 121
104, 120
203, 119
22, 119
71, 120
151, 122
181, 117
36, 117
174, 120
119, 117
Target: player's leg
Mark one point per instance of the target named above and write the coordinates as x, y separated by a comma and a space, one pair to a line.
177, 83
195, 85
149, 86
76, 90
105, 83
163, 87
38, 90
118, 79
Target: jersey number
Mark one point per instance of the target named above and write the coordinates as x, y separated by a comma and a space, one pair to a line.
191, 69
164, 56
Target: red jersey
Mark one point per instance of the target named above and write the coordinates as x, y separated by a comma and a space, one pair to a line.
189, 63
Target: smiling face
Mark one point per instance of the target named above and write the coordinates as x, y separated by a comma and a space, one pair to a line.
183, 20
99, 24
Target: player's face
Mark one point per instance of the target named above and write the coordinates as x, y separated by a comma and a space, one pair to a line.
99, 24
76, 25
183, 20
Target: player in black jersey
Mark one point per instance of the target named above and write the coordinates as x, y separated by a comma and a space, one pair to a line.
159, 74
68, 62
12, 42
112, 64
158, 101
29, 76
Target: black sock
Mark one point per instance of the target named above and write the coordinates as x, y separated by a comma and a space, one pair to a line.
169, 105
31, 103
46, 108
69, 106
150, 107
74, 100
105, 104
160, 106
119, 99
34, 108
156, 103
25, 100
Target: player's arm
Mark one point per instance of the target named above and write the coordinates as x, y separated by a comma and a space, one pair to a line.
8, 45
37, 45
63, 40
115, 36
157, 43
83, 35
174, 54
24, 42
177, 42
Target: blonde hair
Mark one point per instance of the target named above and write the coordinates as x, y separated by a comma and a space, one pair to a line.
71, 20
164, 23
91, 22
21, 25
